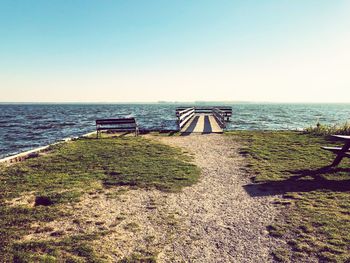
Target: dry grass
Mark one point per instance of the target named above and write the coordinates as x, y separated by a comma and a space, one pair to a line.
322, 130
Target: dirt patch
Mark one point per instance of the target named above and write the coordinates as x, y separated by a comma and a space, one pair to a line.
26, 199
129, 221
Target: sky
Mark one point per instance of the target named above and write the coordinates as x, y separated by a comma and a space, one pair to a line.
183, 50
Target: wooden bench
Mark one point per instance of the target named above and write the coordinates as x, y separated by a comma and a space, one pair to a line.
119, 125
341, 152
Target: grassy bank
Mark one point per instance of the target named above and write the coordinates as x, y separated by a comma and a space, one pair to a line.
36, 190
322, 129
315, 204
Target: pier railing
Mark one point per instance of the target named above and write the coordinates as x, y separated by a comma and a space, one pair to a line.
209, 109
184, 115
219, 115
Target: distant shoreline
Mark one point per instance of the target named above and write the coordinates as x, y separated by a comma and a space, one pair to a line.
171, 103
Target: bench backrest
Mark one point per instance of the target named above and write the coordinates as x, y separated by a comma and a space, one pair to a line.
123, 122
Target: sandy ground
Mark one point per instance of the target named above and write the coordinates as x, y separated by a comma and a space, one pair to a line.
213, 221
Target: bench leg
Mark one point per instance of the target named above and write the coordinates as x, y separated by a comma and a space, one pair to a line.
340, 155
337, 160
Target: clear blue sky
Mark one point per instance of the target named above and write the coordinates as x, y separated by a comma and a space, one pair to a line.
273, 50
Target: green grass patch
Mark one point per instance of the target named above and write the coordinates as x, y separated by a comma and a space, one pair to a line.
72, 169
316, 209
71, 249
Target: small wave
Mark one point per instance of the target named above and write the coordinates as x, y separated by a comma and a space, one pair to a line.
44, 127
34, 117
66, 124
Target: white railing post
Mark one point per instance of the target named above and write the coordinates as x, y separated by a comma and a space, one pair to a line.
184, 116
219, 115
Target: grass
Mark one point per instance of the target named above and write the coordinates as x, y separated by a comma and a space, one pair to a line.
140, 258
71, 249
315, 205
322, 129
65, 174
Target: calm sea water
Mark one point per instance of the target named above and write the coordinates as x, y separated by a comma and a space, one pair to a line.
24, 126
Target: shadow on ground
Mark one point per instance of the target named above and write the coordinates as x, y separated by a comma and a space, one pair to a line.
207, 126
302, 181
191, 127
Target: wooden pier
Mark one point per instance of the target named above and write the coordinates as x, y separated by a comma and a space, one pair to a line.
202, 119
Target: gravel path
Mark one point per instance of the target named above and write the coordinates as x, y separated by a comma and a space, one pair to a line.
214, 220
221, 222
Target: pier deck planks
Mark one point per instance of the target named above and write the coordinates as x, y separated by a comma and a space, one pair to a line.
202, 123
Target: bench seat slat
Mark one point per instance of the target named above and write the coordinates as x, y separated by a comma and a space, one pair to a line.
116, 119
119, 121
116, 128
341, 137
112, 124
337, 150
332, 149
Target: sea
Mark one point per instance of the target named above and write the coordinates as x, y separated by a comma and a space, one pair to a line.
26, 126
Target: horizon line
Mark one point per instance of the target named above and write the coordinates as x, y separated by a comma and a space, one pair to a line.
167, 102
